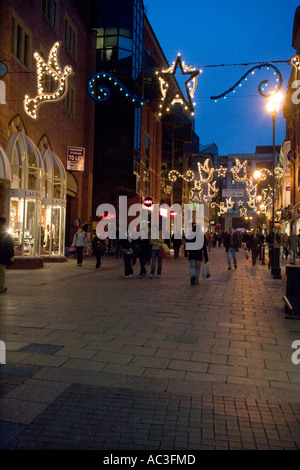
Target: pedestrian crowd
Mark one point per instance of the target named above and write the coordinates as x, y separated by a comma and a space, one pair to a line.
152, 251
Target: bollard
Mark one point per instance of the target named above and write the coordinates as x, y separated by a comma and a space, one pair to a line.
292, 297
275, 266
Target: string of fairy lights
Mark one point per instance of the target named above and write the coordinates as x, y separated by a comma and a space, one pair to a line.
52, 68
100, 92
255, 203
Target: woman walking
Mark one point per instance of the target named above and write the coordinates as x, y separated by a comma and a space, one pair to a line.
156, 244
79, 242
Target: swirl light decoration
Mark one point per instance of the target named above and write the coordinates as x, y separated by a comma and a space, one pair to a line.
261, 86
52, 68
278, 172
101, 83
168, 97
188, 176
222, 207
295, 62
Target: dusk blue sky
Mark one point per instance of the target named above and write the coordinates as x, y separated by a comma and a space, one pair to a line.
228, 32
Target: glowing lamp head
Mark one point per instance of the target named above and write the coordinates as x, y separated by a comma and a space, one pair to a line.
274, 103
257, 175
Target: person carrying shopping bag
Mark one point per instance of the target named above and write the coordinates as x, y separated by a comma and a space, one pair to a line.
155, 253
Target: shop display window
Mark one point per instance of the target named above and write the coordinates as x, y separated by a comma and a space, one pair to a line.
52, 230
25, 194
53, 205
26, 163
37, 199
24, 214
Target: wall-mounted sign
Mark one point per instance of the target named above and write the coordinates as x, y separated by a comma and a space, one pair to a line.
233, 193
25, 193
75, 158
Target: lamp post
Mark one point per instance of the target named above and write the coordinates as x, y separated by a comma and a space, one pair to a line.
274, 106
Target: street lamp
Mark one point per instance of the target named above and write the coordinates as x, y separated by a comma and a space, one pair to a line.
257, 175
273, 107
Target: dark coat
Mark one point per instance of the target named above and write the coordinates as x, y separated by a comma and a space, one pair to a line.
98, 246
141, 247
198, 254
236, 241
253, 241
6, 247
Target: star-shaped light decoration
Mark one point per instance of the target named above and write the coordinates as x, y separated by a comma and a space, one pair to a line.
52, 68
221, 172
168, 97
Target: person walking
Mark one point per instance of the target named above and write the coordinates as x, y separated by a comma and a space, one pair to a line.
253, 244
79, 242
215, 238
285, 246
6, 252
231, 243
155, 254
195, 258
280, 243
293, 245
127, 251
140, 251
208, 239
177, 242
98, 249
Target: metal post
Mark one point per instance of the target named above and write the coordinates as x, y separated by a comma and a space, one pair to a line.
273, 170
263, 258
276, 270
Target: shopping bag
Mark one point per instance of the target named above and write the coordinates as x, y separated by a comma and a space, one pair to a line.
205, 271
165, 248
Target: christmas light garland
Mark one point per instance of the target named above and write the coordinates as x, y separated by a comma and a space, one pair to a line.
240, 174
169, 98
98, 88
52, 68
261, 86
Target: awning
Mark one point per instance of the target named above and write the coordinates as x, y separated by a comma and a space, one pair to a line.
72, 185
6, 173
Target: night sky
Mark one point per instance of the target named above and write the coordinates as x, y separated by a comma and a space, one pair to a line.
229, 32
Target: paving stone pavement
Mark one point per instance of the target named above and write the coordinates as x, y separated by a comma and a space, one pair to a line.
97, 361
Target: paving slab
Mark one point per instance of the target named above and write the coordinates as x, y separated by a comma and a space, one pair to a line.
148, 364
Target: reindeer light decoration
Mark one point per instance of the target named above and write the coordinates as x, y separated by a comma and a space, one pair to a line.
52, 68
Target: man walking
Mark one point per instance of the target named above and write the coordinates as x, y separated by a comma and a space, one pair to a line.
231, 243
195, 257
